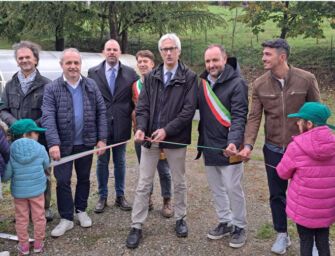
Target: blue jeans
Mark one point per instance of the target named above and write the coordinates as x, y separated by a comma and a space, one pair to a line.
63, 173
119, 160
163, 171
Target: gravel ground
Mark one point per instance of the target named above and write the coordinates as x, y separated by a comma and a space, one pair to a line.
109, 231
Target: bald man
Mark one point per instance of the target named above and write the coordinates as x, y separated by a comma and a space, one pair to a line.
115, 83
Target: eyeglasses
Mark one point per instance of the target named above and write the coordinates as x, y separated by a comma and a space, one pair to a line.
166, 50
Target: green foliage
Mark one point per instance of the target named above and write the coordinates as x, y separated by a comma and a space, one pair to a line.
293, 18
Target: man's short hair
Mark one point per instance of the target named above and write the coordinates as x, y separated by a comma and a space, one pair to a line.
223, 51
69, 50
145, 53
171, 36
279, 44
35, 48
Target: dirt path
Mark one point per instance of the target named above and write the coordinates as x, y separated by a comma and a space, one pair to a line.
110, 229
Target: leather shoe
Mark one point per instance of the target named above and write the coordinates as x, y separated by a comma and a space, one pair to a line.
133, 238
121, 202
167, 211
100, 206
181, 228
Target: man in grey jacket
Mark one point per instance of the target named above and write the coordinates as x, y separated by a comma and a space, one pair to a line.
23, 96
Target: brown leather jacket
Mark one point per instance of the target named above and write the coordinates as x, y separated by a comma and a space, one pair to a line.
267, 94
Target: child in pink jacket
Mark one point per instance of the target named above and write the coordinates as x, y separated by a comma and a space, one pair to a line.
309, 162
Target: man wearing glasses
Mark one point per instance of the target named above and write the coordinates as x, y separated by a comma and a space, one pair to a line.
164, 111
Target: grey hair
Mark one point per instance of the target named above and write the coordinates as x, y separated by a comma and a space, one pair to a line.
69, 50
171, 36
279, 44
35, 48
223, 51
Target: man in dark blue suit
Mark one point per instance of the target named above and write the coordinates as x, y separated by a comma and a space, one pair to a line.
115, 83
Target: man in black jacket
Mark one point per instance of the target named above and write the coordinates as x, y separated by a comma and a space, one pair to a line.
23, 96
164, 111
223, 106
115, 83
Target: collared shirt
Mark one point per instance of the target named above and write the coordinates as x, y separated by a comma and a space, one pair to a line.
108, 71
26, 82
211, 81
173, 71
75, 85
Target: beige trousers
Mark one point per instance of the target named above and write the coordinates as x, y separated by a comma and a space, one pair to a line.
148, 164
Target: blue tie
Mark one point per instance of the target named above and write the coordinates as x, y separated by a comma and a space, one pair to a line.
112, 81
168, 79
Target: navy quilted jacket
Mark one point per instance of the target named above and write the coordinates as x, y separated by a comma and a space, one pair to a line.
4, 152
58, 115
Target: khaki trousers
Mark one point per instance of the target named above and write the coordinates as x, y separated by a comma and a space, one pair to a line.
148, 164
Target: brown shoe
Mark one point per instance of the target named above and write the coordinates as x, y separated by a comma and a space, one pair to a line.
167, 208
121, 202
100, 206
151, 204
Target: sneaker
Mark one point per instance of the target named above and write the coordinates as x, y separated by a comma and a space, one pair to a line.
84, 220
238, 237
23, 248
63, 226
4, 253
220, 231
49, 215
38, 246
282, 242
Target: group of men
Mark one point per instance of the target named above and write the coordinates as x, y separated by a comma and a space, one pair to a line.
81, 113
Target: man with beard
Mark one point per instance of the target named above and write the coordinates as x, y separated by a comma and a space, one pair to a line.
223, 107
281, 91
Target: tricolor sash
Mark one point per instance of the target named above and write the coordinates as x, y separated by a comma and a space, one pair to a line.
215, 105
137, 87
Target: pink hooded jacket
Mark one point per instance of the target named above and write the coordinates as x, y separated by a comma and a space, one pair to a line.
310, 163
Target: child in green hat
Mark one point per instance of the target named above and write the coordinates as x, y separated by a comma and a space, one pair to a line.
309, 162
26, 169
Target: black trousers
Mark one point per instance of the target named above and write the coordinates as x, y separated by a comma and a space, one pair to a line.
277, 189
307, 236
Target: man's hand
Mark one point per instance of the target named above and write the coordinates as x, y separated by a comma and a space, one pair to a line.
100, 144
139, 136
158, 135
54, 152
245, 154
230, 150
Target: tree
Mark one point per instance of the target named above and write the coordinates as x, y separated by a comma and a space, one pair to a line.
293, 18
157, 17
43, 19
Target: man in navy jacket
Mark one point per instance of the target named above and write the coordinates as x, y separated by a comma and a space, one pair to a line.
74, 114
115, 83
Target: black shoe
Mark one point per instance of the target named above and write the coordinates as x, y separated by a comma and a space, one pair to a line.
220, 231
121, 202
100, 206
133, 238
181, 228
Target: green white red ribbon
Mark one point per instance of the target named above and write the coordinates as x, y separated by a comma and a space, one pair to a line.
219, 111
137, 87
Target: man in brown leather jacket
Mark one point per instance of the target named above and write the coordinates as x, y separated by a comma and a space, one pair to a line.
279, 92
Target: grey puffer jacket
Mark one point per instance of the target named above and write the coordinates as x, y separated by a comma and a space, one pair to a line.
58, 115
